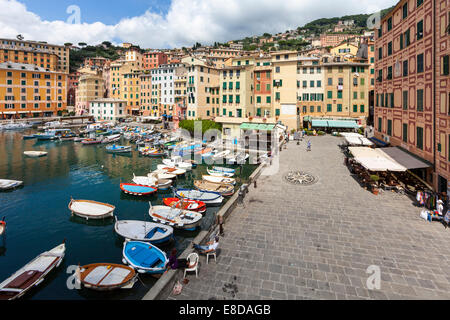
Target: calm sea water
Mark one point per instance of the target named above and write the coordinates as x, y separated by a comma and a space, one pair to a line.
38, 218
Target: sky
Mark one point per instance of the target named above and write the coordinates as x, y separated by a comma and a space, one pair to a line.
166, 23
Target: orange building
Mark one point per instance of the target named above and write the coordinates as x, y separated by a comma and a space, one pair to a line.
30, 91
154, 59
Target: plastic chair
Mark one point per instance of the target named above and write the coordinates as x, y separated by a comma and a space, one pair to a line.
212, 253
192, 261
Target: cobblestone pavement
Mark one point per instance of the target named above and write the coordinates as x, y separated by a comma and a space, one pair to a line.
317, 241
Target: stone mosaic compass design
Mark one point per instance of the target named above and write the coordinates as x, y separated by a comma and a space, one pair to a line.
300, 178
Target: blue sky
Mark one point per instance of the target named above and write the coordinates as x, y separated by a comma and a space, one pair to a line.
107, 11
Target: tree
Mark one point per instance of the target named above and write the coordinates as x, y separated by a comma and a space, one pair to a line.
267, 35
68, 44
82, 44
107, 44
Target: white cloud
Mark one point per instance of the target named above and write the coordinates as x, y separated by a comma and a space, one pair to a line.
186, 22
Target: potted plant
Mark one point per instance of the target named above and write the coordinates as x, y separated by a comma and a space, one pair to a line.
250, 118
375, 180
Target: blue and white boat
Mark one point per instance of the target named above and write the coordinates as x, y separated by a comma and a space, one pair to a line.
223, 169
143, 231
144, 257
118, 149
209, 198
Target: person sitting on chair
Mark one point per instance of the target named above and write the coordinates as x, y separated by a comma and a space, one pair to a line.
210, 246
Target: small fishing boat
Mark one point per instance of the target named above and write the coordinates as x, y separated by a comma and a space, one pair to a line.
2, 226
170, 170
29, 137
178, 162
78, 139
223, 169
143, 231
239, 158
106, 276
152, 152
91, 209
112, 138
9, 184
153, 180
35, 154
221, 155
144, 257
118, 149
162, 174
223, 189
32, 274
209, 198
185, 204
137, 189
91, 141
177, 218
215, 173
215, 179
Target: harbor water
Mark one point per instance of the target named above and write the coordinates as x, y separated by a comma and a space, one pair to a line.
38, 218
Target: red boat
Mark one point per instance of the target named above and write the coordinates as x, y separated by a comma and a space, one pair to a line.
186, 204
137, 189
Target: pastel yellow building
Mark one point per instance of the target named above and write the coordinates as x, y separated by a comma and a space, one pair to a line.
344, 49
30, 91
90, 88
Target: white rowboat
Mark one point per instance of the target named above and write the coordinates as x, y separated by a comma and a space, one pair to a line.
91, 209
35, 154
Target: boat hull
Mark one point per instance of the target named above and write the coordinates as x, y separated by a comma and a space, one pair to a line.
137, 189
144, 257
191, 205
91, 210
143, 231
106, 277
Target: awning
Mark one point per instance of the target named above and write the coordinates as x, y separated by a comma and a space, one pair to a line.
405, 159
9, 112
379, 142
347, 124
319, 123
356, 139
375, 160
257, 126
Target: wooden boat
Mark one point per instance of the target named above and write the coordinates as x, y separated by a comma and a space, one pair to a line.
177, 218
2, 226
221, 155
9, 184
32, 274
144, 257
152, 152
106, 276
162, 174
91, 141
143, 231
91, 209
223, 189
153, 180
223, 169
209, 198
178, 162
29, 137
35, 154
137, 189
186, 204
216, 179
170, 170
112, 138
215, 173
118, 149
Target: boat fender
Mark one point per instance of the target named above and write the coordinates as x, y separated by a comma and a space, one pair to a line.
124, 261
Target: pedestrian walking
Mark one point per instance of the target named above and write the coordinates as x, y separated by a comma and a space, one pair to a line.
308, 148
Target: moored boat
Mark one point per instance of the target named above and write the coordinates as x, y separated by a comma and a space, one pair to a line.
2, 226
209, 198
170, 170
216, 179
32, 274
144, 257
35, 154
143, 231
223, 189
106, 276
118, 149
112, 138
91, 209
137, 189
186, 204
9, 184
215, 173
153, 180
177, 218
91, 141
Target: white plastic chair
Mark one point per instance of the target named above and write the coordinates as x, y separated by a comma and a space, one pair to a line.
192, 261
212, 253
